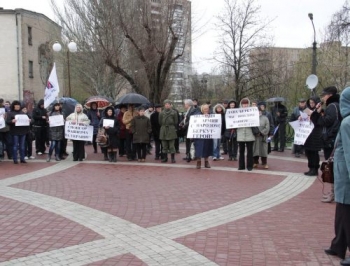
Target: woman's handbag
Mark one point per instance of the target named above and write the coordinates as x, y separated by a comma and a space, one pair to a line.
255, 131
102, 138
327, 175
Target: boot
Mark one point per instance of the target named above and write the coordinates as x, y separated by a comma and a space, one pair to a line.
105, 155
199, 164
48, 158
115, 157
188, 158
313, 172
206, 163
173, 158
165, 158
329, 198
307, 173
57, 157
110, 157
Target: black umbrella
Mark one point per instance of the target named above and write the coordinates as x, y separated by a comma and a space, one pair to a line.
275, 99
133, 98
68, 105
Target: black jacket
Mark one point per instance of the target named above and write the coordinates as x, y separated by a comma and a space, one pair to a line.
19, 130
314, 141
282, 118
38, 114
155, 125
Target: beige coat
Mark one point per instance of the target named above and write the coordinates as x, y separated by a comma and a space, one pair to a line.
260, 144
128, 117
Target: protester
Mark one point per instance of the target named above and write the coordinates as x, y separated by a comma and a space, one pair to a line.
112, 133
279, 114
190, 110
330, 121
40, 127
245, 138
341, 241
122, 131
18, 133
223, 138
231, 137
56, 134
28, 146
63, 149
78, 117
168, 120
203, 147
260, 143
5, 137
94, 116
262, 106
313, 143
219, 109
141, 129
294, 117
127, 118
156, 130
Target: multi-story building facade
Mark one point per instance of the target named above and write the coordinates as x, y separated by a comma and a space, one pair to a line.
26, 55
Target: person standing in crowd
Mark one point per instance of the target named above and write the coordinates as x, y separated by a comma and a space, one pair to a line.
141, 130
245, 138
28, 147
330, 120
190, 110
294, 117
231, 137
18, 133
127, 118
148, 114
5, 137
63, 149
122, 131
78, 117
260, 143
203, 147
56, 134
223, 138
219, 109
40, 127
168, 120
341, 241
262, 107
280, 113
156, 130
94, 116
195, 103
112, 133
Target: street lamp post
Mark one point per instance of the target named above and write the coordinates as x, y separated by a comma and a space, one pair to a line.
314, 47
72, 48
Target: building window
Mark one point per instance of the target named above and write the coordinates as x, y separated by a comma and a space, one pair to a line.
31, 75
30, 36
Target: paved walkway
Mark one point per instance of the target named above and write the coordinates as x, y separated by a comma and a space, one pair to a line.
129, 213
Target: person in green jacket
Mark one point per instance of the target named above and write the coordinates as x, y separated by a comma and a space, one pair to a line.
168, 120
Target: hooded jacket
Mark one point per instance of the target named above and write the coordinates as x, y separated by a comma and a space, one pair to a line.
112, 132
79, 118
38, 114
223, 124
245, 134
314, 140
342, 153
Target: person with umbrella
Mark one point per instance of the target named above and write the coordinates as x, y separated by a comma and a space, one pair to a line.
168, 120
94, 116
279, 114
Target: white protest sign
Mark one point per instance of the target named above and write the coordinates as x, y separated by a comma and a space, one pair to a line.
242, 117
204, 127
108, 122
302, 130
22, 120
78, 131
2, 122
56, 120
2, 111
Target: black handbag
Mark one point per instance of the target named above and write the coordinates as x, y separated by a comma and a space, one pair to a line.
255, 130
326, 168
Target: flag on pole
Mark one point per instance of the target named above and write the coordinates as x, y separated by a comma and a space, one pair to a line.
52, 89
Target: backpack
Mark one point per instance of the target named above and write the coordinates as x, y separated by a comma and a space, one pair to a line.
102, 138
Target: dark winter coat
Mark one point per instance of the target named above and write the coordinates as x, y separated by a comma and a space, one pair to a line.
203, 147
168, 120
314, 141
155, 125
282, 118
112, 132
223, 121
94, 119
38, 114
56, 133
330, 120
122, 127
230, 133
141, 128
19, 130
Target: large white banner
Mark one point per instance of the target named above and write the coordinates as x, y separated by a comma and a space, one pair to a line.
52, 88
78, 131
2, 122
56, 120
22, 120
242, 117
204, 127
302, 130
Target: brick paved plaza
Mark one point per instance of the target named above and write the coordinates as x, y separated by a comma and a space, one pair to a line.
129, 213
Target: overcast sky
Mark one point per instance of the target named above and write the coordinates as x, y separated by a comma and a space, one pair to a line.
291, 26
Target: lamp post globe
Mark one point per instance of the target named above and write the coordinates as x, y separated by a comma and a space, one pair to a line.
57, 47
72, 46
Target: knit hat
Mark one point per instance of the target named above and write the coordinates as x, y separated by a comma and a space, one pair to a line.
167, 101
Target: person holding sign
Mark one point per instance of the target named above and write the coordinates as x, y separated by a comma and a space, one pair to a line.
112, 132
56, 132
313, 143
245, 138
17, 132
78, 117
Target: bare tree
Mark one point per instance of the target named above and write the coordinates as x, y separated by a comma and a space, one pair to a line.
242, 31
131, 36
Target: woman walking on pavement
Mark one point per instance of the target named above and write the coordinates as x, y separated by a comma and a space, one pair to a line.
56, 134
168, 121
112, 133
